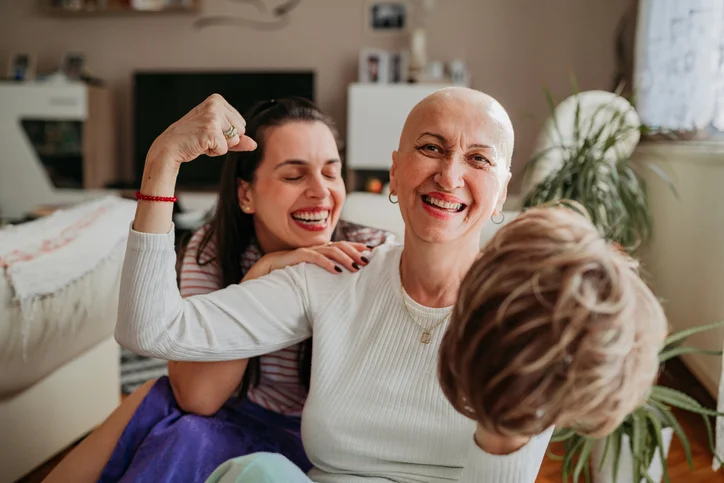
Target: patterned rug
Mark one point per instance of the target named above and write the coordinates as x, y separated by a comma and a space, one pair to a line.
135, 370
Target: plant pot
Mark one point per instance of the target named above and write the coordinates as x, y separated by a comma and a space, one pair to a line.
625, 464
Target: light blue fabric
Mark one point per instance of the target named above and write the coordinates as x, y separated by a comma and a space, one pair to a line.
258, 468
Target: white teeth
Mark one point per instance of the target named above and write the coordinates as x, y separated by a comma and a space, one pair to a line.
446, 205
311, 216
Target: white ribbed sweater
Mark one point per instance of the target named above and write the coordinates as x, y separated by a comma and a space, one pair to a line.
375, 411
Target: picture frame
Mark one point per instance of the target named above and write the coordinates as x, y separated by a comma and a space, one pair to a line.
21, 67
387, 17
399, 67
374, 65
73, 65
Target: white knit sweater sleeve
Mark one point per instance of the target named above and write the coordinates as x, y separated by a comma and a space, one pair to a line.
521, 466
238, 322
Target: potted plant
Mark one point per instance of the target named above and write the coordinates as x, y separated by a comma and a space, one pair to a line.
584, 155
637, 450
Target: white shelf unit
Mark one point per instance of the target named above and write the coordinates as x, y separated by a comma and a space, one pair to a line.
375, 116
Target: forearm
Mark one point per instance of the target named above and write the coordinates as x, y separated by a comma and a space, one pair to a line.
203, 387
159, 179
238, 322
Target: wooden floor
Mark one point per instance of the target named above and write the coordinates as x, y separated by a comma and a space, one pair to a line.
675, 376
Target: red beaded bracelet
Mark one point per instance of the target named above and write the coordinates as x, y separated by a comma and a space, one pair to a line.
169, 199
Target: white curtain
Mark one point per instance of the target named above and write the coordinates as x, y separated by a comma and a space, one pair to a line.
679, 68
679, 81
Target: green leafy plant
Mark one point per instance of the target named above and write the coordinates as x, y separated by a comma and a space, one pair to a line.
613, 193
644, 426
614, 196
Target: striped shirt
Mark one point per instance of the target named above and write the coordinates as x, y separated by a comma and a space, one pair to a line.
279, 386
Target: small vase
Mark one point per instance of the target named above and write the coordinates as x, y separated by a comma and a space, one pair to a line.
625, 463
147, 4
418, 54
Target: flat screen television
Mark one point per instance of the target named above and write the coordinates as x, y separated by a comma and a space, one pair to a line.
161, 98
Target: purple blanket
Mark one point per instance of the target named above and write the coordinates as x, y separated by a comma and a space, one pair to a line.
164, 444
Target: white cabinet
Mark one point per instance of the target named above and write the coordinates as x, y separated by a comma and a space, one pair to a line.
57, 144
375, 116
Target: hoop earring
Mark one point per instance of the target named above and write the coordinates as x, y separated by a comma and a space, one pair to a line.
502, 218
389, 197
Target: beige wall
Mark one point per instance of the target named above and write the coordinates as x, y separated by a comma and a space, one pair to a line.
513, 48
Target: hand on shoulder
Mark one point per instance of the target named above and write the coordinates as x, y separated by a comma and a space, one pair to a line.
333, 257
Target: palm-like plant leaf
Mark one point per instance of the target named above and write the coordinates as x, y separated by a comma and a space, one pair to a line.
644, 426
614, 194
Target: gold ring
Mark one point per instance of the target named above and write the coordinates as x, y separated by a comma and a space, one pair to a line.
231, 132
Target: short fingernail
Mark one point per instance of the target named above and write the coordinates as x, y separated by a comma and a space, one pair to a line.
338, 269
370, 247
355, 266
364, 259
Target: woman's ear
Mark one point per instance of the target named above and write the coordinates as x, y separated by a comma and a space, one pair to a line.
246, 197
503, 194
393, 170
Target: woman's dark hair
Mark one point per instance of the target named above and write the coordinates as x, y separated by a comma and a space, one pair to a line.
232, 229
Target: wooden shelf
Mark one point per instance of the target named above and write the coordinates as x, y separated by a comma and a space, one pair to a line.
114, 9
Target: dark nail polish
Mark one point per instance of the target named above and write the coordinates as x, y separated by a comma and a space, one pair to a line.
370, 247
364, 259
355, 266
338, 269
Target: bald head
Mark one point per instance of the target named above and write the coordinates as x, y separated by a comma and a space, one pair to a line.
469, 109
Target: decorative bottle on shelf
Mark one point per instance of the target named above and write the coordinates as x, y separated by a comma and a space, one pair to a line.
418, 54
148, 4
418, 64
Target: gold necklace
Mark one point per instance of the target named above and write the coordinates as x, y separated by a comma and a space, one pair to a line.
426, 331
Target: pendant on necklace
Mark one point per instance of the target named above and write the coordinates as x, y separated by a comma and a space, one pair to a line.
426, 336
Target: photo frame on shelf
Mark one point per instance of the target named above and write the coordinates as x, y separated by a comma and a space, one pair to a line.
387, 17
374, 66
399, 66
21, 67
73, 65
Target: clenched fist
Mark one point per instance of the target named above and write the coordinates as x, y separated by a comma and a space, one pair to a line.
202, 131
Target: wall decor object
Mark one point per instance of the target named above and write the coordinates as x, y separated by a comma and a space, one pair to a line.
374, 66
399, 65
79, 8
458, 73
387, 16
21, 67
254, 14
73, 65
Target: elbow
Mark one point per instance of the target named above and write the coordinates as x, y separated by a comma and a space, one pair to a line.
198, 406
195, 401
128, 335
132, 341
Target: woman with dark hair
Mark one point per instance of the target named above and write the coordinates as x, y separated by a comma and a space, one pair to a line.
278, 205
